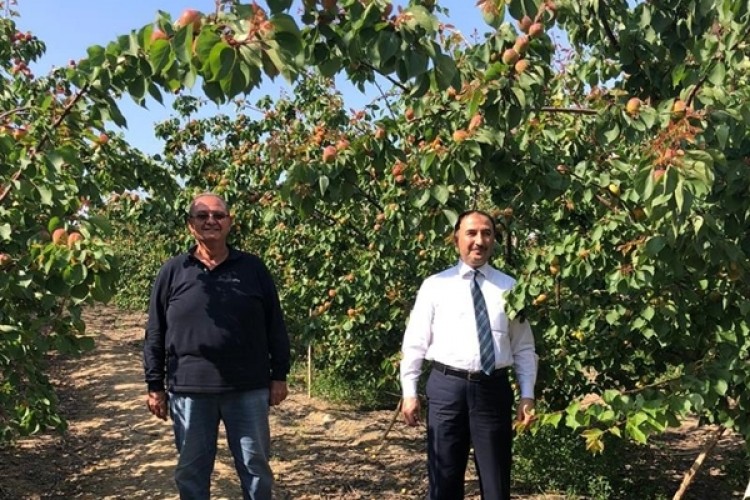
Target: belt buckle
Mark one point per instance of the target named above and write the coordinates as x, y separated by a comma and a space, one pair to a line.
474, 376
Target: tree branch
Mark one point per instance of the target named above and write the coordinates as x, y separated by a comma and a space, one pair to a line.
605, 24
573, 111
45, 139
13, 111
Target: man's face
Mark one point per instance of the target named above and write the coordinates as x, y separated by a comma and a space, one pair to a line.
475, 239
209, 222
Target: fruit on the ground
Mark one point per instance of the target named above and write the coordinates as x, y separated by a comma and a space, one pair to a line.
59, 236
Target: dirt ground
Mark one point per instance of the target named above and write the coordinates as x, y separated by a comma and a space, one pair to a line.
114, 449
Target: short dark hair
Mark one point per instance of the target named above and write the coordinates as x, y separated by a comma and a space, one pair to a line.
466, 213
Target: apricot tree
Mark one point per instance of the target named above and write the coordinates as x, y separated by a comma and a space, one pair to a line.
617, 173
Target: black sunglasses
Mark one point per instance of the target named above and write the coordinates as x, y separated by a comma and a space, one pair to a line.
204, 216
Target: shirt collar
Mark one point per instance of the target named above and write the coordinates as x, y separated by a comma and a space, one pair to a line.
233, 254
465, 270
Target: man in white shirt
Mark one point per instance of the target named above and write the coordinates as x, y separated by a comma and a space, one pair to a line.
469, 395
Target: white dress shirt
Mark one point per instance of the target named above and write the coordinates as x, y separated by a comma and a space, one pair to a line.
442, 328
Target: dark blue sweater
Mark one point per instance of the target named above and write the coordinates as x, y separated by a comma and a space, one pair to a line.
215, 331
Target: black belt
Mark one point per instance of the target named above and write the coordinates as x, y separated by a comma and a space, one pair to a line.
466, 374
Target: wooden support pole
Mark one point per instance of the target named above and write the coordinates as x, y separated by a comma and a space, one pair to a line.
690, 474
396, 413
309, 370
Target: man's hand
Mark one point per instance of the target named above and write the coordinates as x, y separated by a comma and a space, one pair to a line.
410, 410
157, 403
525, 411
279, 392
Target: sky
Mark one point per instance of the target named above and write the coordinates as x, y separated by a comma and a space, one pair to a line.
69, 27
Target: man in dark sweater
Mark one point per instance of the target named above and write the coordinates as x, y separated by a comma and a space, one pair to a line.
216, 336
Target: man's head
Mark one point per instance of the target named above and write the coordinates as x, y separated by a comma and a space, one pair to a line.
208, 219
474, 236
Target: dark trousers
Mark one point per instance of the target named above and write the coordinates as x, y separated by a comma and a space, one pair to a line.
463, 413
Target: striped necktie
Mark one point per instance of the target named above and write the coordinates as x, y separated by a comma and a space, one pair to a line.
484, 332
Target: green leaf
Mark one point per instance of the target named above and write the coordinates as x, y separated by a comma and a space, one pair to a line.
277, 6
221, 61
96, 55
160, 56
182, 42
5, 232
720, 387
46, 194
493, 12
205, 44
287, 34
385, 48
654, 245
446, 73
718, 73
441, 194
323, 182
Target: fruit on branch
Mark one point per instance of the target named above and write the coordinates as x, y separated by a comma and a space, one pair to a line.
73, 237
614, 189
521, 66
329, 154
633, 106
190, 16
540, 299
59, 236
398, 168
536, 30
157, 34
475, 122
460, 135
524, 24
521, 44
19, 133
678, 109
409, 114
5, 260
510, 56
658, 173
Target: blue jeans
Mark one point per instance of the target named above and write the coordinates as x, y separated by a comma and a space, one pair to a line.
196, 419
